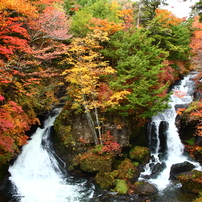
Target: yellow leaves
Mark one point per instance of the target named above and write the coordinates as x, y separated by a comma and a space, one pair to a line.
117, 97
87, 68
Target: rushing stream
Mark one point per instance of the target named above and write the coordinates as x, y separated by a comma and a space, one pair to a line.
171, 151
38, 173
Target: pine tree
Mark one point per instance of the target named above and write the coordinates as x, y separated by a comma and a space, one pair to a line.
138, 64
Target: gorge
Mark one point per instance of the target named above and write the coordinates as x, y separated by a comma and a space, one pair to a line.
39, 174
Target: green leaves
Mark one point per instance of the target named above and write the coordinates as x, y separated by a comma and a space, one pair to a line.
138, 64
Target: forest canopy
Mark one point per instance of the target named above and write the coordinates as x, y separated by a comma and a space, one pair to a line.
92, 55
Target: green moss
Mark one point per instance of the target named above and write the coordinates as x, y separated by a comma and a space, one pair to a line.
121, 186
105, 180
97, 149
190, 141
140, 154
198, 200
136, 164
91, 162
127, 170
191, 181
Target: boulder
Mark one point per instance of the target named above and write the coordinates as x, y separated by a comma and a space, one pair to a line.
140, 154
178, 168
105, 180
91, 162
121, 186
157, 169
127, 170
191, 181
143, 188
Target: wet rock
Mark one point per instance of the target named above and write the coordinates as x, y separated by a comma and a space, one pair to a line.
197, 95
153, 136
143, 188
178, 168
157, 169
163, 127
91, 162
178, 106
127, 170
105, 180
199, 141
140, 154
191, 181
198, 153
121, 186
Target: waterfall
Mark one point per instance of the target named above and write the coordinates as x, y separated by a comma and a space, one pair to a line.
173, 151
38, 174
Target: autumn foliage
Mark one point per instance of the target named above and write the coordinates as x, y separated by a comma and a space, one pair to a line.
96, 52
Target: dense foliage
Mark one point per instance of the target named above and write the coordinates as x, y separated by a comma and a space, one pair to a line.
109, 55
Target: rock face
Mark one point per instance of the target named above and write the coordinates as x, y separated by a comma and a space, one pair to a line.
191, 181
178, 168
73, 136
163, 127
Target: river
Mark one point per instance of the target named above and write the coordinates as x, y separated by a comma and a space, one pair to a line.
38, 174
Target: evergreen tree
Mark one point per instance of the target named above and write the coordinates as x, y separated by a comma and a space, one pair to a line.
172, 34
138, 64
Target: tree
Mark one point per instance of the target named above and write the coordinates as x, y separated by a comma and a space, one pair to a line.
172, 34
13, 36
101, 9
138, 64
197, 8
87, 69
146, 10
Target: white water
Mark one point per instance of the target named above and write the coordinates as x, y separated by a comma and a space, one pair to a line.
37, 175
175, 149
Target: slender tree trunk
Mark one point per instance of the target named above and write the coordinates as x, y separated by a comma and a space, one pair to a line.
91, 123
98, 125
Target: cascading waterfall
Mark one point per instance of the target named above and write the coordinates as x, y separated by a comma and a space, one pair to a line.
38, 173
173, 151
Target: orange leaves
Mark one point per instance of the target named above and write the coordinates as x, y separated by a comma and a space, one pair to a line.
167, 17
127, 16
104, 25
196, 40
180, 111
193, 115
20, 6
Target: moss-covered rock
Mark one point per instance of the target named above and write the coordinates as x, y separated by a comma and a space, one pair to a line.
191, 181
105, 180
198, 200
140, 154
127, 170
92, 162
121, 186
145, 188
